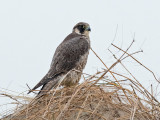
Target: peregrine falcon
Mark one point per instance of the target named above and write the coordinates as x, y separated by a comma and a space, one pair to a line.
68, 61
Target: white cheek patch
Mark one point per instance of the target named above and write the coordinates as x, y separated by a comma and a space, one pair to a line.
77, 31
86, 33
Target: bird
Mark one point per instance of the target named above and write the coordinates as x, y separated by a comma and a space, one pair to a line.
69, 60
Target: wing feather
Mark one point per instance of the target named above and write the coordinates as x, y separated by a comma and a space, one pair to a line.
66, 57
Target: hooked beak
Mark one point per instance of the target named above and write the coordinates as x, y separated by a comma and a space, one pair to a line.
88, 29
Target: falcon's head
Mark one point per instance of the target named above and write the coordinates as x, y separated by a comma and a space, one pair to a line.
82, 28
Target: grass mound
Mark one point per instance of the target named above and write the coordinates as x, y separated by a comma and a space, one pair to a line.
97, 98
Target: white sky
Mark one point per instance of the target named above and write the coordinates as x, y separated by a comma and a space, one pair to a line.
31, 30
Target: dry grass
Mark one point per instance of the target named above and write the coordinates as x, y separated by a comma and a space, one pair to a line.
97, 98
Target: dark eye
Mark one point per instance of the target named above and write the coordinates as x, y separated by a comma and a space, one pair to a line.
83, 26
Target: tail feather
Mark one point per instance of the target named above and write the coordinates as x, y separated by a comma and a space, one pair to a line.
43, 81
47, 87
50, 85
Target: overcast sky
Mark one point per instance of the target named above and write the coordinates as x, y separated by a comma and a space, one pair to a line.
30, 31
